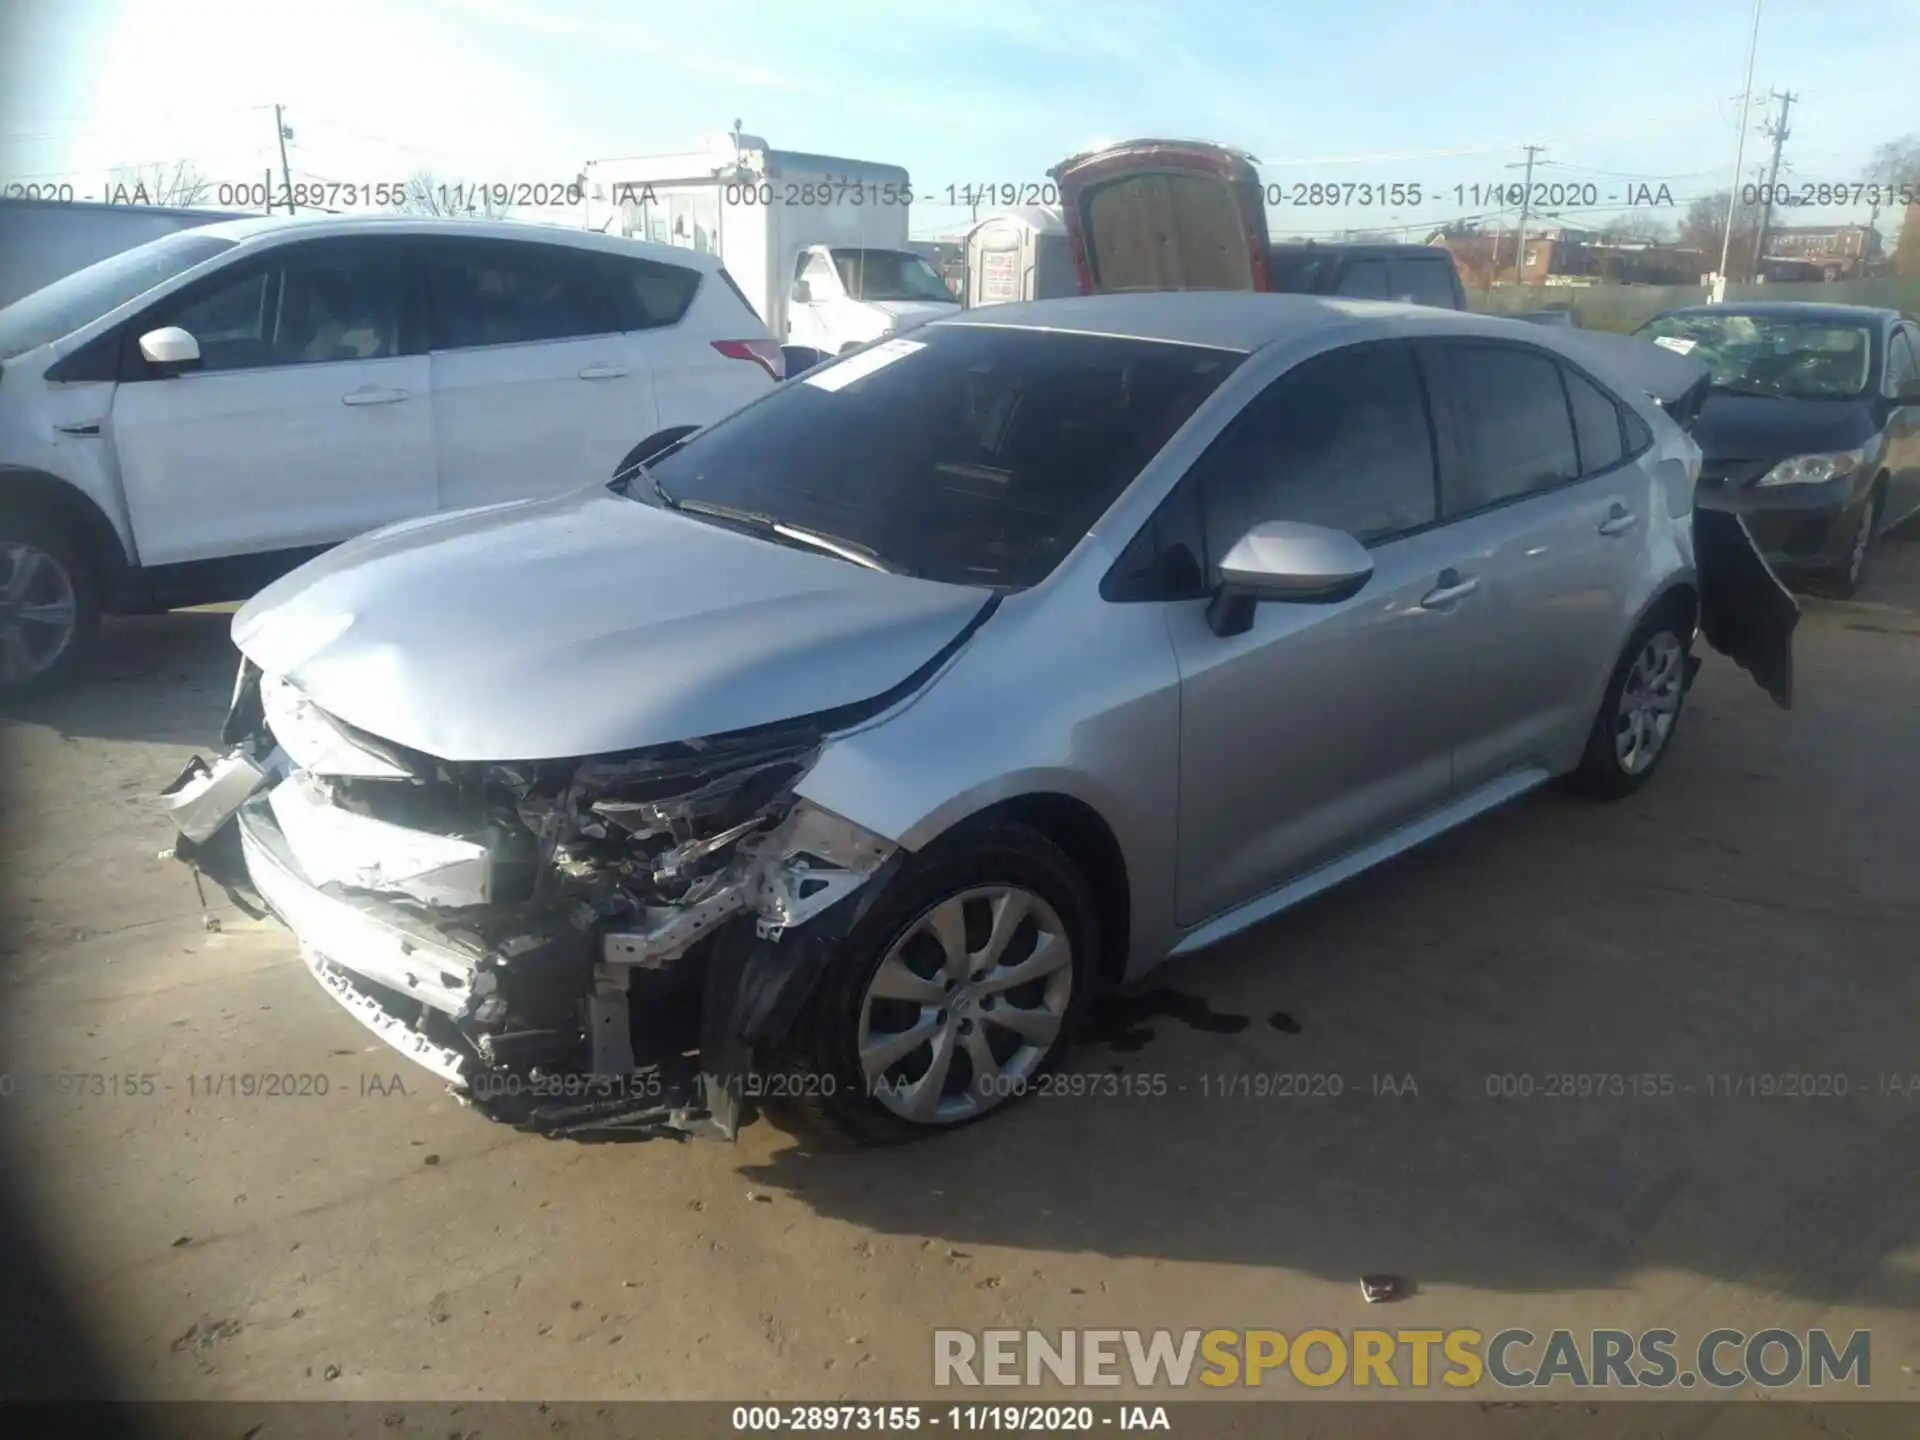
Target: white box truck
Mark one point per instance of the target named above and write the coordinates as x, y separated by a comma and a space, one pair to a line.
816, 243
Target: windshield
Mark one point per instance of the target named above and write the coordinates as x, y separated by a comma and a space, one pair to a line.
889, 275
1797, 357
73, 300
967, 454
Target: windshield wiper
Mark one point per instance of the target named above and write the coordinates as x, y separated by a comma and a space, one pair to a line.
1729, 389
780, 529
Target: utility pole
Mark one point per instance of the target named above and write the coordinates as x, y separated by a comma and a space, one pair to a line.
1739, 159
1778, 131
283, 134
1526, 200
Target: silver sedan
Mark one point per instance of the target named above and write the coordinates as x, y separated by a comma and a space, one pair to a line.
835, 755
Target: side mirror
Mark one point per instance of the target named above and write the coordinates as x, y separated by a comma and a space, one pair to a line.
654, 446
1285, 560
801, 358
802, 293
170, 350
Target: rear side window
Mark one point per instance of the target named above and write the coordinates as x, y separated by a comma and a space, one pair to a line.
1365, 280
506, 293
1424, 282
657, 294
1639, 434
1340, 441
1507, 414
1596, 424
738, 293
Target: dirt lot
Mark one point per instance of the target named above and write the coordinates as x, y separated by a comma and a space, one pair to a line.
1754, 912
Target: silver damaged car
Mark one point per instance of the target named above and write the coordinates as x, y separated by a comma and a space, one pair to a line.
837, 754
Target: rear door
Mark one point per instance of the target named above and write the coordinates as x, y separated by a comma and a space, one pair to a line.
1553, 516
307, 421
539, 383
1164, 215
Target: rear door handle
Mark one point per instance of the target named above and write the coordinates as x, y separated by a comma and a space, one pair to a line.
1619, 521
372, 395
603, 372
1450, 589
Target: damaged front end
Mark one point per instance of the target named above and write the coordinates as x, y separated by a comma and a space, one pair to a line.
574, 946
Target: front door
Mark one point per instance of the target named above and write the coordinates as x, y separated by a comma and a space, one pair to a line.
1324, 726
308, 420
1903, 426
538, 386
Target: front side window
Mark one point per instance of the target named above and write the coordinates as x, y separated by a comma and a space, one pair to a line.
1759, 354
889, 275
305, 305
1903, 367
818, 273
967, 454
1508, 415
1341, 441
509, 293
75, 300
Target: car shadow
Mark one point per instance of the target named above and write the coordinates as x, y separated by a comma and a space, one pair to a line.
165, 678
1561, 1041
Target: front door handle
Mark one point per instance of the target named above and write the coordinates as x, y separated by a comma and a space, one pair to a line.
1450, 589
603, 372
1619, 520
372, 395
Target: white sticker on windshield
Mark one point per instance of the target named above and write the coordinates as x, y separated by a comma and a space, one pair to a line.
1677, 343
858, 367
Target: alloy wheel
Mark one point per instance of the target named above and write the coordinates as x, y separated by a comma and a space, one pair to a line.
1649, 702
39, 610
965, 1005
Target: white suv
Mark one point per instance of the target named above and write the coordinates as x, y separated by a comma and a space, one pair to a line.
185, 421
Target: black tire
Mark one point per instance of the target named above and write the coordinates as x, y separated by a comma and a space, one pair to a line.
832, 1094
45, 536
1601, 775
1844, 582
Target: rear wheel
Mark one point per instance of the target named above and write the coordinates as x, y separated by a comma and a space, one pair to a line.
49, 604
953, 994
1639, 713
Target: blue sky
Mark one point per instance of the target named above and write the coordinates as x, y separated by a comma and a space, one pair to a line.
1368, 90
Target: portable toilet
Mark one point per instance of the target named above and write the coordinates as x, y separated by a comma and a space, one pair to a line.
1019, 254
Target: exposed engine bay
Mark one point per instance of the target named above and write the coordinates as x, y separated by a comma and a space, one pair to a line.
575, 946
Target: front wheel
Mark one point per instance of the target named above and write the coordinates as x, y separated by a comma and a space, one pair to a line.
1639, 713
1846, 578
49, 605
955, 994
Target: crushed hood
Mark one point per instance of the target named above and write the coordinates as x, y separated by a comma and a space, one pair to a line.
585, 624
1767, 427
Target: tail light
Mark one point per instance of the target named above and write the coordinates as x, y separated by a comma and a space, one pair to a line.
764, 353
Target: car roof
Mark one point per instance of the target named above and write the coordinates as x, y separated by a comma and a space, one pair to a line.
1794, 310
255, 227
1241, 320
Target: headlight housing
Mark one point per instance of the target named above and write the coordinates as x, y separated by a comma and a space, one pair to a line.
1814, 469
